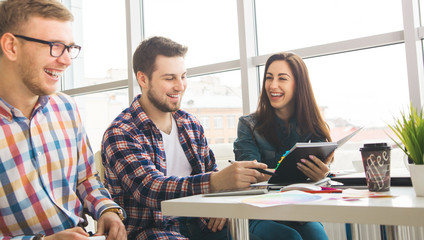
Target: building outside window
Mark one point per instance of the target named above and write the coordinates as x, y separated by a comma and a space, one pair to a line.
205, 121
231, 121
218, 122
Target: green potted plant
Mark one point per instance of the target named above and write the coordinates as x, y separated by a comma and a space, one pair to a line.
410, 131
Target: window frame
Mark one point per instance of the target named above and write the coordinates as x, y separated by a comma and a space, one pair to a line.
249, 62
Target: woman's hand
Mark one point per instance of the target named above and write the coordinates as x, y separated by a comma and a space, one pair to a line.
314, 168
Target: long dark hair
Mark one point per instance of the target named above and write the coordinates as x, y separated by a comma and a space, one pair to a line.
308, 116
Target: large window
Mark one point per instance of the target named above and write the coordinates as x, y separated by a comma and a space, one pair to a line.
284, 25
98, 110
362, 58
208, 28
366, 95
362, 88
100, 26
213, 98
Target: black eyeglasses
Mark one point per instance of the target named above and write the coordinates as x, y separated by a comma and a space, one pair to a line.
56, 48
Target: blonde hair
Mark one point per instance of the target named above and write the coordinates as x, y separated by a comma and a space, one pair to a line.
14, 14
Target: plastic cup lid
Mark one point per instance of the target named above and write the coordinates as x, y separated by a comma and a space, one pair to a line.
375, 146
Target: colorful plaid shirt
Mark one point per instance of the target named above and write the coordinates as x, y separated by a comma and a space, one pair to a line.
135, 163
47, 171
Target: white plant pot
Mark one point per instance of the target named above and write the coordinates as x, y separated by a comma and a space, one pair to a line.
417, 178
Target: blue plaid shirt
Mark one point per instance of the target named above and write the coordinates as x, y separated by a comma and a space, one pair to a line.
135, 169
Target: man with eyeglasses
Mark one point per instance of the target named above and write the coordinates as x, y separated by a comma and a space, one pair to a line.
48, 179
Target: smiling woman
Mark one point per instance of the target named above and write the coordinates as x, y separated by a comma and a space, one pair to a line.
280, 85
287, 113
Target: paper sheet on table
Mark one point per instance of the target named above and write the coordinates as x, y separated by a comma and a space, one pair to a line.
355, 194
282, 198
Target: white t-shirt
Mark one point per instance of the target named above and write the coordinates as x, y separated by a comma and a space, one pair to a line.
176, 161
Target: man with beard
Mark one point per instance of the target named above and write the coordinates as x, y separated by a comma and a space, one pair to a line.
47, 173
154, 151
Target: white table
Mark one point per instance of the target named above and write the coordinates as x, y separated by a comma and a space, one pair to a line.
404, 209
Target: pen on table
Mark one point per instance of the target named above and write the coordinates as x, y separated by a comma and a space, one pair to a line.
330, 175
257, 169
